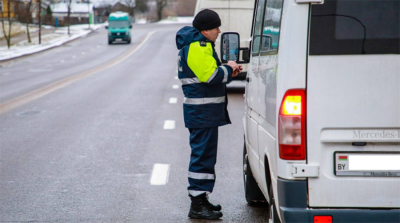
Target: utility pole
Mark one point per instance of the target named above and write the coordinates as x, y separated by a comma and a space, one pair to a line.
40, 22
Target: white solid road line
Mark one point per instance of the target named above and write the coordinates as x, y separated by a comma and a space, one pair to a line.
173, 100
160, 174
169, 124
175, 86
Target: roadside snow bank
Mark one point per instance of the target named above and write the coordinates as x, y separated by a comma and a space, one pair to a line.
48, 41
170, 19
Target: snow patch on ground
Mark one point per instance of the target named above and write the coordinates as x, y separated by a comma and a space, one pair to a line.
48, 41
60, 36
172, 20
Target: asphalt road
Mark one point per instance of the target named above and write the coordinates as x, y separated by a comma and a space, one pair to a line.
82, 125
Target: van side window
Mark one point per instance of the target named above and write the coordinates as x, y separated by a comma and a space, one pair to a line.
258, 26
341, 27
272, 23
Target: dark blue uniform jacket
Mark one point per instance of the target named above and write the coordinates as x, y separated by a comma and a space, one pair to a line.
203, 80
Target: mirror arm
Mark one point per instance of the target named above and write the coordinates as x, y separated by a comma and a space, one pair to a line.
245, 55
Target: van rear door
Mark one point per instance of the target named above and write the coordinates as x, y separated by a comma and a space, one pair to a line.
353, 104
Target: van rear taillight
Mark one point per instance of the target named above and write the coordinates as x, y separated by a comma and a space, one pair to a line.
292, 115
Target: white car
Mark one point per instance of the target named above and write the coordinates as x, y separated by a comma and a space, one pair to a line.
322, 110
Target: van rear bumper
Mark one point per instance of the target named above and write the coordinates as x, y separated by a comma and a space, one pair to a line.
292, 197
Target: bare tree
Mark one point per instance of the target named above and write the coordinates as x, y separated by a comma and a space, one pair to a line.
160, 6
8, 18
27, 13
69, 14
141, 6
131, 4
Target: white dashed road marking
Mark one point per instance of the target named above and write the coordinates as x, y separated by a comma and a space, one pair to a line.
169, 124
160, 174
175, 86
73, 57
173, 100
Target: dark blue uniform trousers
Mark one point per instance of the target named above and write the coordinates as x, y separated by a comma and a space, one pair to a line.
204, 143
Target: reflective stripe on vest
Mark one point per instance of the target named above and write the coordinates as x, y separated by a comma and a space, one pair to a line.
202, 101
194, 80
212, 75
201, 176
225, 74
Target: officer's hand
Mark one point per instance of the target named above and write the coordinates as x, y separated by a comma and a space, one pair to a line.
237, 71
233, 64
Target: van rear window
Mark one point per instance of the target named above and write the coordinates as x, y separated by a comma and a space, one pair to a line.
355, 27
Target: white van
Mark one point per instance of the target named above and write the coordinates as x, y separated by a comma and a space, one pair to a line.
322, 113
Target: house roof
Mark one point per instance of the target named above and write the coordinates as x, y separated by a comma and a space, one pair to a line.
75, 8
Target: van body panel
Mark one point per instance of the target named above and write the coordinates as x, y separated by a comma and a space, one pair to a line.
347, 61
252, 83
253, 146
266, 148
346, 104
266, 96
292, 61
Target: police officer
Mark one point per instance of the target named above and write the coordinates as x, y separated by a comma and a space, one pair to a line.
204, 82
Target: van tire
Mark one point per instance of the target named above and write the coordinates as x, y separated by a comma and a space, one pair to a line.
273, 214
252, 192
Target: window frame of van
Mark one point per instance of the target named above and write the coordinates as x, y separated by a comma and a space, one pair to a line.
274, 51
254, 18
254, 27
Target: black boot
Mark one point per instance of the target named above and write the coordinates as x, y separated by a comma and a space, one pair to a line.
201, 208
214, 207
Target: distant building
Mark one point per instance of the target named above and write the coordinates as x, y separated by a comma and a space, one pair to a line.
4, 8
120, 7
80, 12
18, 10
101, 13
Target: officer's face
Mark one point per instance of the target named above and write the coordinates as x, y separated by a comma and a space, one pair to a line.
211, 34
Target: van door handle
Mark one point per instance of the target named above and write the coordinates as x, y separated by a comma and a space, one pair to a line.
247, 79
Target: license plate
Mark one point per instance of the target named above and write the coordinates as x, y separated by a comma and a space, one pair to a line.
367, 164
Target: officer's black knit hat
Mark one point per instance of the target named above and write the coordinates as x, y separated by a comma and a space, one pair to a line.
206, 19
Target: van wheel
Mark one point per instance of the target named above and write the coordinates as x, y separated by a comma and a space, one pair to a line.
129, 41
252, 192
273, 214
110, 42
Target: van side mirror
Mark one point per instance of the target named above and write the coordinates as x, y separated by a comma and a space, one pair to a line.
230, 45
230, 48
106, 27
266, 43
